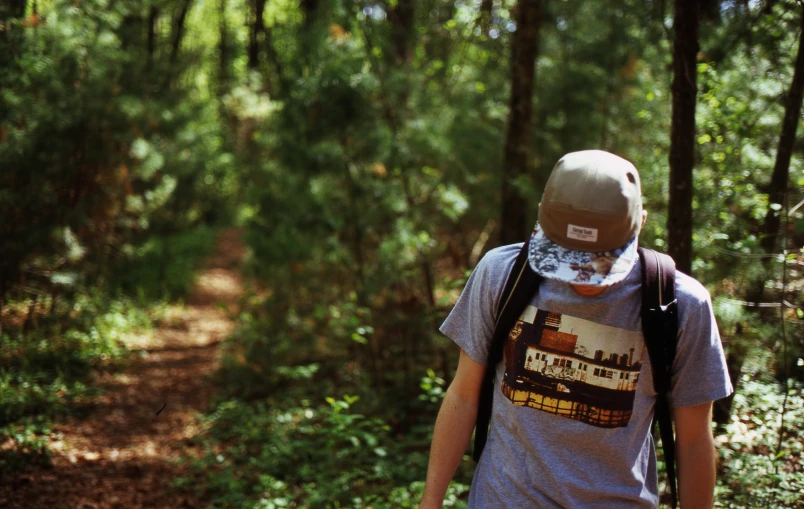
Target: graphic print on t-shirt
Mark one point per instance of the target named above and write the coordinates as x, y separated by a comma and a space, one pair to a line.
572, 367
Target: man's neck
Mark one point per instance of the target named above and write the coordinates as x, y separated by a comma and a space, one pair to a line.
588, 291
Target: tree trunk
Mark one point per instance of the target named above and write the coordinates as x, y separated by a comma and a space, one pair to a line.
682, 133
177, 35
224, 54
721, 410
178, 31
30, 319
261, 39
309, 8
256, 29
276, 87
153, 16
2, 300
484, 18
768, 7
777, 190
402, 18
12, 9
516, 158
307, 35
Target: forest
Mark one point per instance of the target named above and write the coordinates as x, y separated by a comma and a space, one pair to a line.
231, 229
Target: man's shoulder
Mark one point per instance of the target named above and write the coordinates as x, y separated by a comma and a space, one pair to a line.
690, 289
499, 260
496, 264
502, 254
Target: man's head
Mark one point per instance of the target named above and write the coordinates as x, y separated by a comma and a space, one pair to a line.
589, 219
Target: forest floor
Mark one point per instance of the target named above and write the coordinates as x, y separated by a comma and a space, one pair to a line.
124, 454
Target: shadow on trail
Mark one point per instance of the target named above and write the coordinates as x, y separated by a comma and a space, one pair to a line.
124, 455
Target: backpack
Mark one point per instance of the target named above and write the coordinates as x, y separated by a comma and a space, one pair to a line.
659, 328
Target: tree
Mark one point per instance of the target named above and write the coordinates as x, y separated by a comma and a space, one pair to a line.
224, 50
255, 30
777, 190
402, 17
682, 133
177, 34
10, 36
516, 163
153, 16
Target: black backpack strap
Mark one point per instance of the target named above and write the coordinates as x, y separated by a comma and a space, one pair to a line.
520, 287
660, 328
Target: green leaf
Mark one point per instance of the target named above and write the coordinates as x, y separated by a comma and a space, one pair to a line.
140, 148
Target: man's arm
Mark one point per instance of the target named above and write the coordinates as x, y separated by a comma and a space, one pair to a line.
453, 428
695, 451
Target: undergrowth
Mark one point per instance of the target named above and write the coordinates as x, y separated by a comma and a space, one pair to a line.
301, 447
48, 365
47, 373
754, 472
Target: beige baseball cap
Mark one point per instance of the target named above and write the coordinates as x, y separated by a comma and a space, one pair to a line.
589, 219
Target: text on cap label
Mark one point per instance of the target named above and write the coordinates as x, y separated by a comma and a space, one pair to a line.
581, 233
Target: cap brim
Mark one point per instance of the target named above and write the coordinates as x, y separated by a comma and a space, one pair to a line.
580, 267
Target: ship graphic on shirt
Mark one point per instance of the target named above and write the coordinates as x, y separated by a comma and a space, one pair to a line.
572, 367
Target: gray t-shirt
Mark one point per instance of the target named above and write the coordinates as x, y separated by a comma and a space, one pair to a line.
574, 396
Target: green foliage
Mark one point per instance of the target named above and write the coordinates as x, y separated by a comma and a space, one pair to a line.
432, 387
754, 472
162, 266
91, 159
362, 153
292, 452
65, 133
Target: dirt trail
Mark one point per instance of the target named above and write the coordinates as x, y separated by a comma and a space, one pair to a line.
123, 455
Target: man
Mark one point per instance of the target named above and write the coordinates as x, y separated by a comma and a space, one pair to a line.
573, 397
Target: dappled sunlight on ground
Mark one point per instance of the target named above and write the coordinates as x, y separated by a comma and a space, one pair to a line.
124, 455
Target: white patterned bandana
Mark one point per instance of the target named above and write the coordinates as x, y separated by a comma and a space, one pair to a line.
579, 267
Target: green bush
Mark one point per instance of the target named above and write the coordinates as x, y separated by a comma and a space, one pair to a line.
299, 453
163, 267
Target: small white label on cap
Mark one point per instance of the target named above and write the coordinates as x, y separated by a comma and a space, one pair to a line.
582, 233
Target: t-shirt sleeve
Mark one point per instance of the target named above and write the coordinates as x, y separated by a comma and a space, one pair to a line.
470, 324
699, 370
